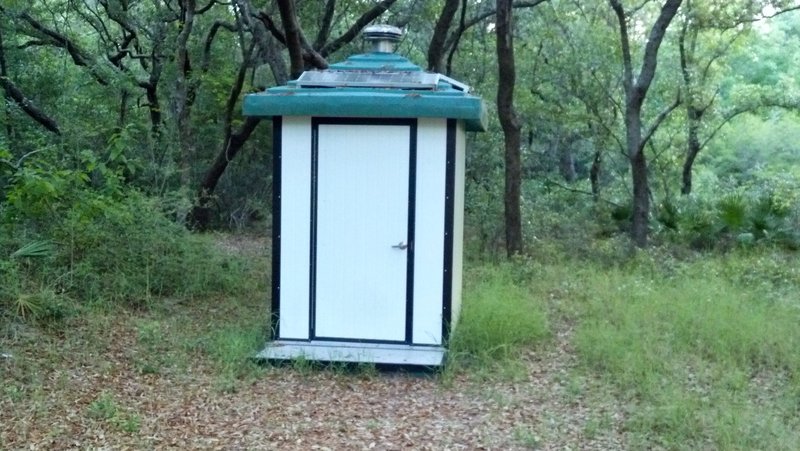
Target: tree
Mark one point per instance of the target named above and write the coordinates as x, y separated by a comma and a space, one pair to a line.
635, 87
16, 95
707, 36
511, 127
438, 44
265, 34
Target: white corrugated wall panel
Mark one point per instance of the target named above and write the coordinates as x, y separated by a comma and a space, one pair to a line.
429, 237
458, 221
295, 227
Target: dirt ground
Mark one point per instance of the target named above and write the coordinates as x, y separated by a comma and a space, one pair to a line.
79, 392
123, 381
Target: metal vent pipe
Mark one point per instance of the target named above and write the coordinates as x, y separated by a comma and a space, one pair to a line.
382, 37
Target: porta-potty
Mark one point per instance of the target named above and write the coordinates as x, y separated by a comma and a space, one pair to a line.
368, 207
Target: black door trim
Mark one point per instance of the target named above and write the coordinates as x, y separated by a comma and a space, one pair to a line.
409, 320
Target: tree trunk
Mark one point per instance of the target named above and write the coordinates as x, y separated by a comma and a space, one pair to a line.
692, 147
640, 226
437, 48
636, 88
182, 105
199, 217
694, 114
154, 110
511, 128
594, 174
13, 93
566, 162
7, 108
122, 117
291, 29
28, 107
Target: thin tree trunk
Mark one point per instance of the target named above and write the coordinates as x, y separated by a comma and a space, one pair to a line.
511, 128
154, 110
437, 48
693, 114
122, 118
640, 227
693, 147
291, 29
182, 104
594, 174
566, 161
7, 109
200, 216
13, 93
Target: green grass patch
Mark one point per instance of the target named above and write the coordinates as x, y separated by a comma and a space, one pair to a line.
500, 318
105, 408
698, 355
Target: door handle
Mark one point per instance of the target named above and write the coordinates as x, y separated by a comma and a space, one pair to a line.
401, 245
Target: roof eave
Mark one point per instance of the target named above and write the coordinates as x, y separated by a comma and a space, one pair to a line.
368, 103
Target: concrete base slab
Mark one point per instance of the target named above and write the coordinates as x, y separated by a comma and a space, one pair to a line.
337, 351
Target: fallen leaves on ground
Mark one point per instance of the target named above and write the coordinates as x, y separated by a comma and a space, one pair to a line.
54, 399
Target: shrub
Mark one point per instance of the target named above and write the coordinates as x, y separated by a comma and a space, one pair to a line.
736, 217
79, 234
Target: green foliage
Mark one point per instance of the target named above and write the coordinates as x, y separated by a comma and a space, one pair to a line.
34, 249
232, 349
499, 318
150, 255
105, 408
744, 216
80, 234
102, 408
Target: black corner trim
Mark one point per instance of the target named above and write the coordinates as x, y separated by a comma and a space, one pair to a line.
275, 304
412, 202
312, 270
449, 211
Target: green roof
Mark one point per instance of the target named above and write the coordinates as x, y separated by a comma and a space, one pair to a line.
447, 99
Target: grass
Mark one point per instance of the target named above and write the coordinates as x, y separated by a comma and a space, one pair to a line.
701, 358
106, 409
500, 319
702, 352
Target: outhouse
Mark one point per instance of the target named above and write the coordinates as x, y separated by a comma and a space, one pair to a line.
368, 208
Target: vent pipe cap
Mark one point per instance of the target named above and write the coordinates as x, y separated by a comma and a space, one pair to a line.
382, 37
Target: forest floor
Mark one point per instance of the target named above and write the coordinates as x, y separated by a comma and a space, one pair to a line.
173, 377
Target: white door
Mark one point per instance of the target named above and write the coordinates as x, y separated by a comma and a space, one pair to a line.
362, 214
